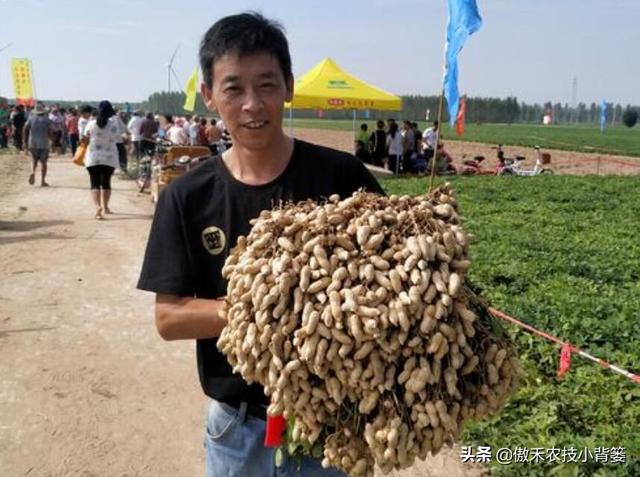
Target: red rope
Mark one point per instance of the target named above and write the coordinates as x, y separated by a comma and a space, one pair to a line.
567, 348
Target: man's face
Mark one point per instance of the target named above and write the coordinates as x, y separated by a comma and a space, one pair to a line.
249, 94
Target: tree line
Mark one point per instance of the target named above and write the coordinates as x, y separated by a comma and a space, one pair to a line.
415, 108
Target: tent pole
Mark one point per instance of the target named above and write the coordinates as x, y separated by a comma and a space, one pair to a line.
354, 123
291, 120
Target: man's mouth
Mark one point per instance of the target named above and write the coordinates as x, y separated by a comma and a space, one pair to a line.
255, 124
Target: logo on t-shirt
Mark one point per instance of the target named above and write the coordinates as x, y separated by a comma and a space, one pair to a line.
213, 240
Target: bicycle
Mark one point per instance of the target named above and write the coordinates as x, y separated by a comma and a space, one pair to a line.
152, 157
513, 166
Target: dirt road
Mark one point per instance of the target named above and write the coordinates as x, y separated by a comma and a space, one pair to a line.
87, 388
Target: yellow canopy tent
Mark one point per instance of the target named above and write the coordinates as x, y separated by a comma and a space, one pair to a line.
327, 86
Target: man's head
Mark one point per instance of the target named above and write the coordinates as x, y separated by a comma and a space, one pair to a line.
85, 111
380, 124
243, 35
247, 72
40, 109
364, 127
435, 125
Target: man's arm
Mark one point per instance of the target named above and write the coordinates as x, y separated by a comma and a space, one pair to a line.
184, 318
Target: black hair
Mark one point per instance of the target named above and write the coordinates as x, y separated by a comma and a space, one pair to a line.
105, 111
380, 123
168, 118
86, 109
244, 34
149, 116
364, 126
393, 129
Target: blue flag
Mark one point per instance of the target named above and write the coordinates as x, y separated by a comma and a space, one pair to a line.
603, 115
464, 20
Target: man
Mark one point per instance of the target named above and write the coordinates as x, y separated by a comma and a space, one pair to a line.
134, 130
429, 137
37, 132
18, 121
194, 126
85, 116
362, 144
247, 79
408, 145
148, 132
71, 122
57, 123
214, 135
121, 133
4, 123
175, 133
377, 144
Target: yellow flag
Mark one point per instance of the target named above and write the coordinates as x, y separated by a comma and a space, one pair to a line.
21, 72
191, 90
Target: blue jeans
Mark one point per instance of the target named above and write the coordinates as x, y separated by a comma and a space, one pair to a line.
234, 447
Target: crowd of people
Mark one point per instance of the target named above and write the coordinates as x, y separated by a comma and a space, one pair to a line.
402, 149
110, 136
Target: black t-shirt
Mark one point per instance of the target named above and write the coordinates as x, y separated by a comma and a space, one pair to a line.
198, 220
378, 138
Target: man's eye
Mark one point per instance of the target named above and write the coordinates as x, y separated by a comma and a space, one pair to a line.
268, 85
231, 89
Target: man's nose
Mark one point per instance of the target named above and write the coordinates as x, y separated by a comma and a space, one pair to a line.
252, 101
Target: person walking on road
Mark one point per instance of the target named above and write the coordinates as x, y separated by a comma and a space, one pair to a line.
37, 132
71, 122
134, 130
101, 160
18, 120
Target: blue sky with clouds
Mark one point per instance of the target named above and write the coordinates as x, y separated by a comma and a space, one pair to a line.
119, 49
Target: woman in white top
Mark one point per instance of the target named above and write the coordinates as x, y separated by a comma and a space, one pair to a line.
102, 155
394, 146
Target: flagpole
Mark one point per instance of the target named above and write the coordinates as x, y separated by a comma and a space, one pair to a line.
435, 152
33, 82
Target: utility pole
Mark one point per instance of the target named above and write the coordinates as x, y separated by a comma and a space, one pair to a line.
574, 95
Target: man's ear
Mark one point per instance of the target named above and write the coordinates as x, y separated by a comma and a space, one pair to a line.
207, 96
289, 95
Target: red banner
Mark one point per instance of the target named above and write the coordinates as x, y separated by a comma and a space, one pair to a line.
461, 115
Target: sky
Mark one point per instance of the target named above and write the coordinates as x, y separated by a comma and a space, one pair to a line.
532, 49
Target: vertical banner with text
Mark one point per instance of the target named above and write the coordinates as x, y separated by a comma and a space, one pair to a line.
22, 81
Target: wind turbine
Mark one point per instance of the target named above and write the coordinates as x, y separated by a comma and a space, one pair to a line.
170, 68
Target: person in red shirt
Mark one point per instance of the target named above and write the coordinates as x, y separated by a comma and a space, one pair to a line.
71, 122
202, 132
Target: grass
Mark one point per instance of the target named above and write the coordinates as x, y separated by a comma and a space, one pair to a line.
582, 138
560, 253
